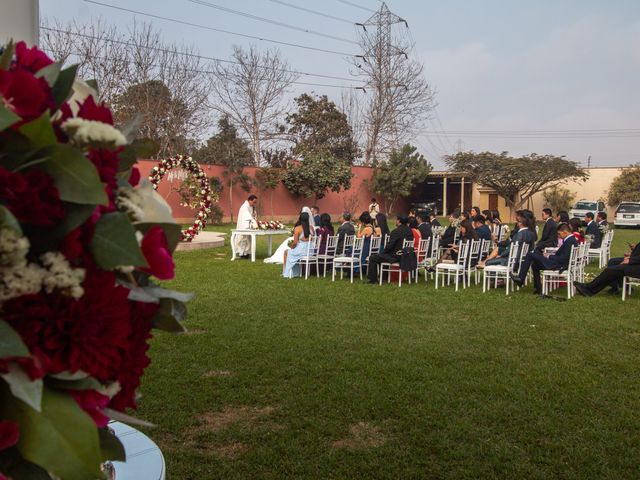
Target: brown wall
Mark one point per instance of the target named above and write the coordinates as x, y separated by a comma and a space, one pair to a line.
285, 206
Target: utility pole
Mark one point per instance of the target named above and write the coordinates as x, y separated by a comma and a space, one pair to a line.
589, 161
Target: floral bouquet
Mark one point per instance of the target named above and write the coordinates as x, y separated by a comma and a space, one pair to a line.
270, 225
82, 242
438, 230
589, 239
604, 228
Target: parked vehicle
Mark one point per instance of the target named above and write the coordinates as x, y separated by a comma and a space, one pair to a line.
627, 215
428, 206
582, 207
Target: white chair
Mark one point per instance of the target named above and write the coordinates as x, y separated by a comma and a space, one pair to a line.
374, 248
421, 256
457, 269
581, 262
431, 261
395, 267
474, 258
325, 259
627, 283
602, 252
501, 272
346, 245
311, 257
350, 261
551, 279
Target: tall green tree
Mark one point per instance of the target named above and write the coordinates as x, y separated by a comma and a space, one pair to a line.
226, 148
516, 179
558, 198
625, 187
316, 174
268, 179
397, 177
319, 127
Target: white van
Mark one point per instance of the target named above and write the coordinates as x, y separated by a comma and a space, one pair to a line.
628, 215
582, 207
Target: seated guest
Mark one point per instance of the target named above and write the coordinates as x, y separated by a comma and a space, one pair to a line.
479, 225
601, 219
382, 227
475, 211
467, 234
433, 219
500, 254
488, 216
299, 247
562, 216
575, 224
593, 229
465, 216
538, 261
345, 229
392, 250
613, 274
549, 237
634, 250
412, 213
413, 225
365, 225
450, 233
325, 230
315, 211
424, 225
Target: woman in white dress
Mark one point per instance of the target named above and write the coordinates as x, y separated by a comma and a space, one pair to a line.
278, 256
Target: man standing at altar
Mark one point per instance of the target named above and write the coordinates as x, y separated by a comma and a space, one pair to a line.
246, 219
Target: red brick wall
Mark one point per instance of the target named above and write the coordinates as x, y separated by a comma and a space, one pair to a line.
285, 206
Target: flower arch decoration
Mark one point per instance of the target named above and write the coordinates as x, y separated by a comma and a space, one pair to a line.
205, 193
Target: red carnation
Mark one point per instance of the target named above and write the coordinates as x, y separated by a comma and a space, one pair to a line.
89, 110
9, 434
32, 197
156, 251
25, 95
31, 59
134, 178
136, 359
93, 403
107, 163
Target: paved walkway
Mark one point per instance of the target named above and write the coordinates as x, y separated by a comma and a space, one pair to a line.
203, 240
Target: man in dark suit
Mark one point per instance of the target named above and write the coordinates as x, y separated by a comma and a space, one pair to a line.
613, 274
481, 228
393, 249
345, 229
424, 227
433, 219
537, 261
549, 237
601, 219
593, 229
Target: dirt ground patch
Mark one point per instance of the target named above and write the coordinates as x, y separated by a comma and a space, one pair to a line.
228, 450
363, 435
245, 417
218, 373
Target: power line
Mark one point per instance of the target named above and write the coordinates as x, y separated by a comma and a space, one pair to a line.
228, 32
308, 10
273, 22
194, 55
357, 6
596, 130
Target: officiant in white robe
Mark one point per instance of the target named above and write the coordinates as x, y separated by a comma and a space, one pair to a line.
246, 219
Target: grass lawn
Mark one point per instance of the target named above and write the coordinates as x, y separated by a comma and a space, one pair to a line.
320, 380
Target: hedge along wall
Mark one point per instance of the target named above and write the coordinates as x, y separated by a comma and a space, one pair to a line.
285, 206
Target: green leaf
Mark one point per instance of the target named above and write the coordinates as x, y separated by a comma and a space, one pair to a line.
75, 176
87, 383
50, 73
22, 387
111, 446
40, 131
171, 230
62, 89
7, 55
62, 439
169, 316
7, 220
93, 83
114, 243
7, 117
160, 292
11, 345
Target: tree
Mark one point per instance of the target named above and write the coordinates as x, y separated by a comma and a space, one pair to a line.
397, 177
226, 148
320, 127
316, 174
249, 89
625, 187
268, 178
558, 198
516, 179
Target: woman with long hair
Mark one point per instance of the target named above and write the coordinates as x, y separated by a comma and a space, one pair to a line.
278, 256
576, 229
299, 247
381, 220
325, 230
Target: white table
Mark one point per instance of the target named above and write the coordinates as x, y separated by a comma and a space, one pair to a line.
144, 458
253, 233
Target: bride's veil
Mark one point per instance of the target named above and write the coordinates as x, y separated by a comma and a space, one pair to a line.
312, 223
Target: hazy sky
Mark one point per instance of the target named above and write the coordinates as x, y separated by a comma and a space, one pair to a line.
498, 65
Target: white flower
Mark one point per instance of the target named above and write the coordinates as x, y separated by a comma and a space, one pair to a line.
13, 248
24, 280
92, 132
129, 201
61, 276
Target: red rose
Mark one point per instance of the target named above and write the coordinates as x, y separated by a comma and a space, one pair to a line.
136, 359
134, 178
9, 434
93, 403
156, 251
30, 59
32, 197
25, 95
89, 110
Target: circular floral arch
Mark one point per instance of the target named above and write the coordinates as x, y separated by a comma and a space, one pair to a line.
206, 197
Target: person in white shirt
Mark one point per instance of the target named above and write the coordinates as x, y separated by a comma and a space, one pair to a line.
374, 208
246, 220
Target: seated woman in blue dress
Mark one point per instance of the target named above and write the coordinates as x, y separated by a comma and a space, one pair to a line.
299, 247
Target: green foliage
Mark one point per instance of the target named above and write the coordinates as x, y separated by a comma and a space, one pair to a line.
558, 198
268, 178
516, 179
11, 344
316, 174
114, 242
397, 177
319, 127
625, 187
